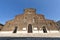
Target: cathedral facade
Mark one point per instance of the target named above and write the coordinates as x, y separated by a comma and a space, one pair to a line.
30, 22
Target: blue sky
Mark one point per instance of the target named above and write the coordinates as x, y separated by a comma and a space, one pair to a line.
10, 8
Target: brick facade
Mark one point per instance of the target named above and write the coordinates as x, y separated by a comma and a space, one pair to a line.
30, 17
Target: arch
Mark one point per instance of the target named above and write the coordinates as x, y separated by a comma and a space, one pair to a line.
29, 28
44, 29
15, 30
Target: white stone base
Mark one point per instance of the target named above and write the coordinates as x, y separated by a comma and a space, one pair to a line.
25, 34
6, 31
54, 31
29, 34
41, 31
21, 31
35, 31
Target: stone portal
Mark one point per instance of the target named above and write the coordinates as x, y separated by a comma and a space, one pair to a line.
15, 30
29, 28
44, 29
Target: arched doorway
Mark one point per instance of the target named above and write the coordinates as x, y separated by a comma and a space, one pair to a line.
29, 28
44, 29
15, 30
